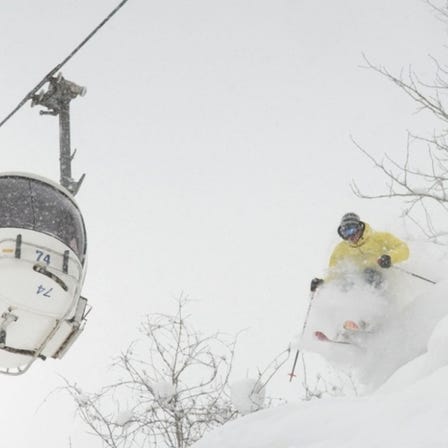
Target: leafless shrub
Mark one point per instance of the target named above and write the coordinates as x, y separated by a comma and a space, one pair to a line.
173, 387
421, 178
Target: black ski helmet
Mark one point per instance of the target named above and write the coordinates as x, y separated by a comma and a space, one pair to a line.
350, 224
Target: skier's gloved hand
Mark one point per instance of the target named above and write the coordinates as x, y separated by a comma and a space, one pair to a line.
384, 261
315, 283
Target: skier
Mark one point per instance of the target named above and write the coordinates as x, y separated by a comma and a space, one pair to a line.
366, 249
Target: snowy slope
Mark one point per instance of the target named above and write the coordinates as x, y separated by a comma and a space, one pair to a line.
413, 418
408, 409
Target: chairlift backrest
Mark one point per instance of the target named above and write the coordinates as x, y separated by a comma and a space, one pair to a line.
33, 203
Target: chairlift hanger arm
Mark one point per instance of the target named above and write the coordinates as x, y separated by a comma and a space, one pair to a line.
57, 102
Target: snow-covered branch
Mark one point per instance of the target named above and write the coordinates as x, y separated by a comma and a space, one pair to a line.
172, 387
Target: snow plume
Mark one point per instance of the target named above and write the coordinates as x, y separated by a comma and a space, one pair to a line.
434, 358
405, 362
400, 314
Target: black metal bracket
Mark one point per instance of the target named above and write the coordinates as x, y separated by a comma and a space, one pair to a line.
65, 262
18, 251
57, 102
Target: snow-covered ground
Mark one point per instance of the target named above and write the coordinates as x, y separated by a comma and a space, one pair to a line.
412, 417
404, 369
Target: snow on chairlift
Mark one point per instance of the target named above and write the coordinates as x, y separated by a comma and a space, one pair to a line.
42, 268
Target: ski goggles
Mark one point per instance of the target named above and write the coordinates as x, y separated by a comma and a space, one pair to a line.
348, 231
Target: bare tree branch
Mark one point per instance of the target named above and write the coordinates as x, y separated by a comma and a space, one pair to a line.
173, 387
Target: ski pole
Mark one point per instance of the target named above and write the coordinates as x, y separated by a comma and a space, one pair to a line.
312, 294
415, 275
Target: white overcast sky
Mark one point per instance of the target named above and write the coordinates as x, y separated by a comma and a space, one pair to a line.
216, 140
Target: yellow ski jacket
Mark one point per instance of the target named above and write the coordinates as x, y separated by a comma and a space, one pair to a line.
369, 248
